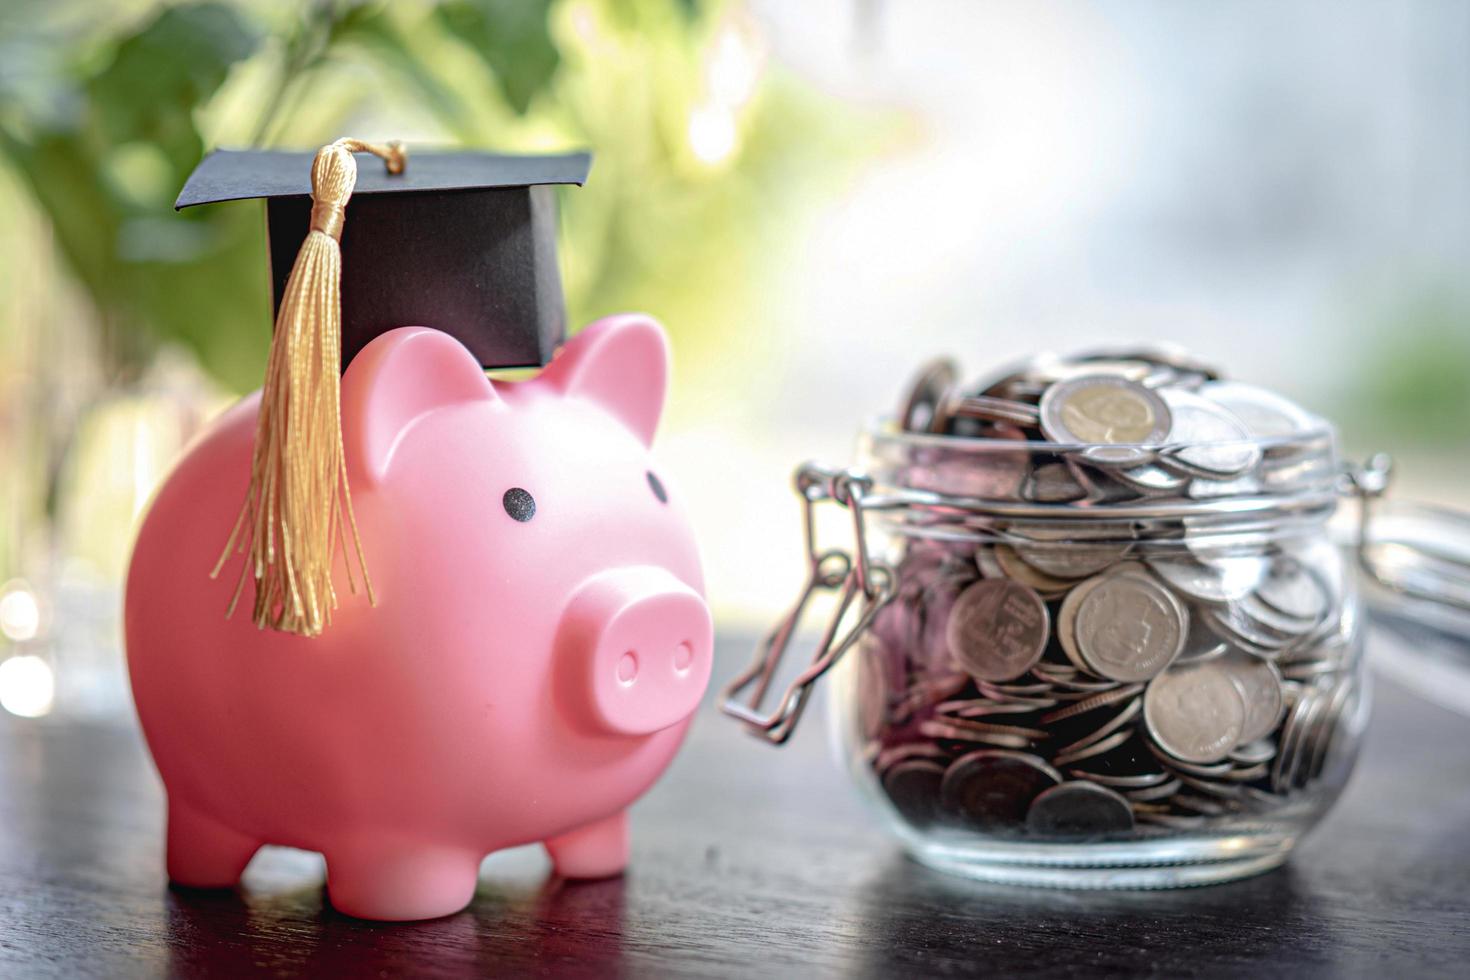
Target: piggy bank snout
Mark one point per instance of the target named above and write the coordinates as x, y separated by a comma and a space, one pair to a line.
634, 651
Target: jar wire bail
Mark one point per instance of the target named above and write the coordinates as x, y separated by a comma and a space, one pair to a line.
861, 585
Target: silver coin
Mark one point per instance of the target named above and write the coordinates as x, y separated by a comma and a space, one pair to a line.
978, 734
926, 392
1202, 643
909, 750
997, 629
1049, 586
1050, 368
1230, 626
1249, 774
1253, 608
1130, 781
1171, 821
1245, 485
1073, 561
1319, 740
1266, 414
1259, 683
1218, 790
990, 409
1200, 805
984, 707
1221, 578
1179, 360
1056, 483
1195, 714
1109, 414
1070, 550
1299, 721
1291, 588
1066, 626
1151, 479
1092, 703
993, 789
913, 788
1033, 691
1113, 741
1130, 711
1129, 628
1178, 767
1211, 441
1255, 753
987, 563
1079, 809
1154, 794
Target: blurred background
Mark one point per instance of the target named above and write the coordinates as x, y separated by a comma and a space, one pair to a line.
814, 197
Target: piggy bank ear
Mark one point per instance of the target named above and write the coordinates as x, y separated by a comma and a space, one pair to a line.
621, 363
401, 376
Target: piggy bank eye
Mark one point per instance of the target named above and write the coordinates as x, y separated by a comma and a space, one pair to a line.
519, 504
657, 488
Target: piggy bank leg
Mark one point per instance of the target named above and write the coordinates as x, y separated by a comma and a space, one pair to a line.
398, 881
202, 852
597, 850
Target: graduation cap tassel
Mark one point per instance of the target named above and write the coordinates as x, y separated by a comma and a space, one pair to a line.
298, 503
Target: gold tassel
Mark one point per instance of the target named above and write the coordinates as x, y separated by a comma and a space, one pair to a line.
298, 502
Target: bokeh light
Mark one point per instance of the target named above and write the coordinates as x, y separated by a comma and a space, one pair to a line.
20, 612
27, 686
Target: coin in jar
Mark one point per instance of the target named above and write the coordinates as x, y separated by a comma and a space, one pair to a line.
1129, 627
1213, 442
1219, 578
1195, 714
997, 629
912, 786
1108, 413
1079, 809
1015, 567
926, 392
1053, 483
1066, 553
1266, 414
993, 788
1259, 682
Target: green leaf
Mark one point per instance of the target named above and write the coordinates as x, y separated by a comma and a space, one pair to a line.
159, 75
513, 37
151, 274
371, 30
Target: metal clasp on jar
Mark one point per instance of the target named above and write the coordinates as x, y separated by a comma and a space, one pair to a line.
862, 587
1416, 551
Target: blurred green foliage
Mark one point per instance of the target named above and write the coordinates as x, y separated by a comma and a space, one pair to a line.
1415, 373
100, 123
104, 116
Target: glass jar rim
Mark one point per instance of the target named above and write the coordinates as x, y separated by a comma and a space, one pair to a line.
1299, 484
886, 428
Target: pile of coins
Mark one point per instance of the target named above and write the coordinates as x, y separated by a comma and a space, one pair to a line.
1086, 675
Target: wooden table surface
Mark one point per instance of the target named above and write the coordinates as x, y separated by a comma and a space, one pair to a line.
748, 861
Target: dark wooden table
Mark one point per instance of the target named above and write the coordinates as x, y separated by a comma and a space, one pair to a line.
748, 861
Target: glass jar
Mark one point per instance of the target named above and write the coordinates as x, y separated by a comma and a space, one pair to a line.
1057, 668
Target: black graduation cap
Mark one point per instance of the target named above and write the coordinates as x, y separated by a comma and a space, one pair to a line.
464, 242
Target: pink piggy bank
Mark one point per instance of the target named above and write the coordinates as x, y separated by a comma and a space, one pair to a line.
539, 644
